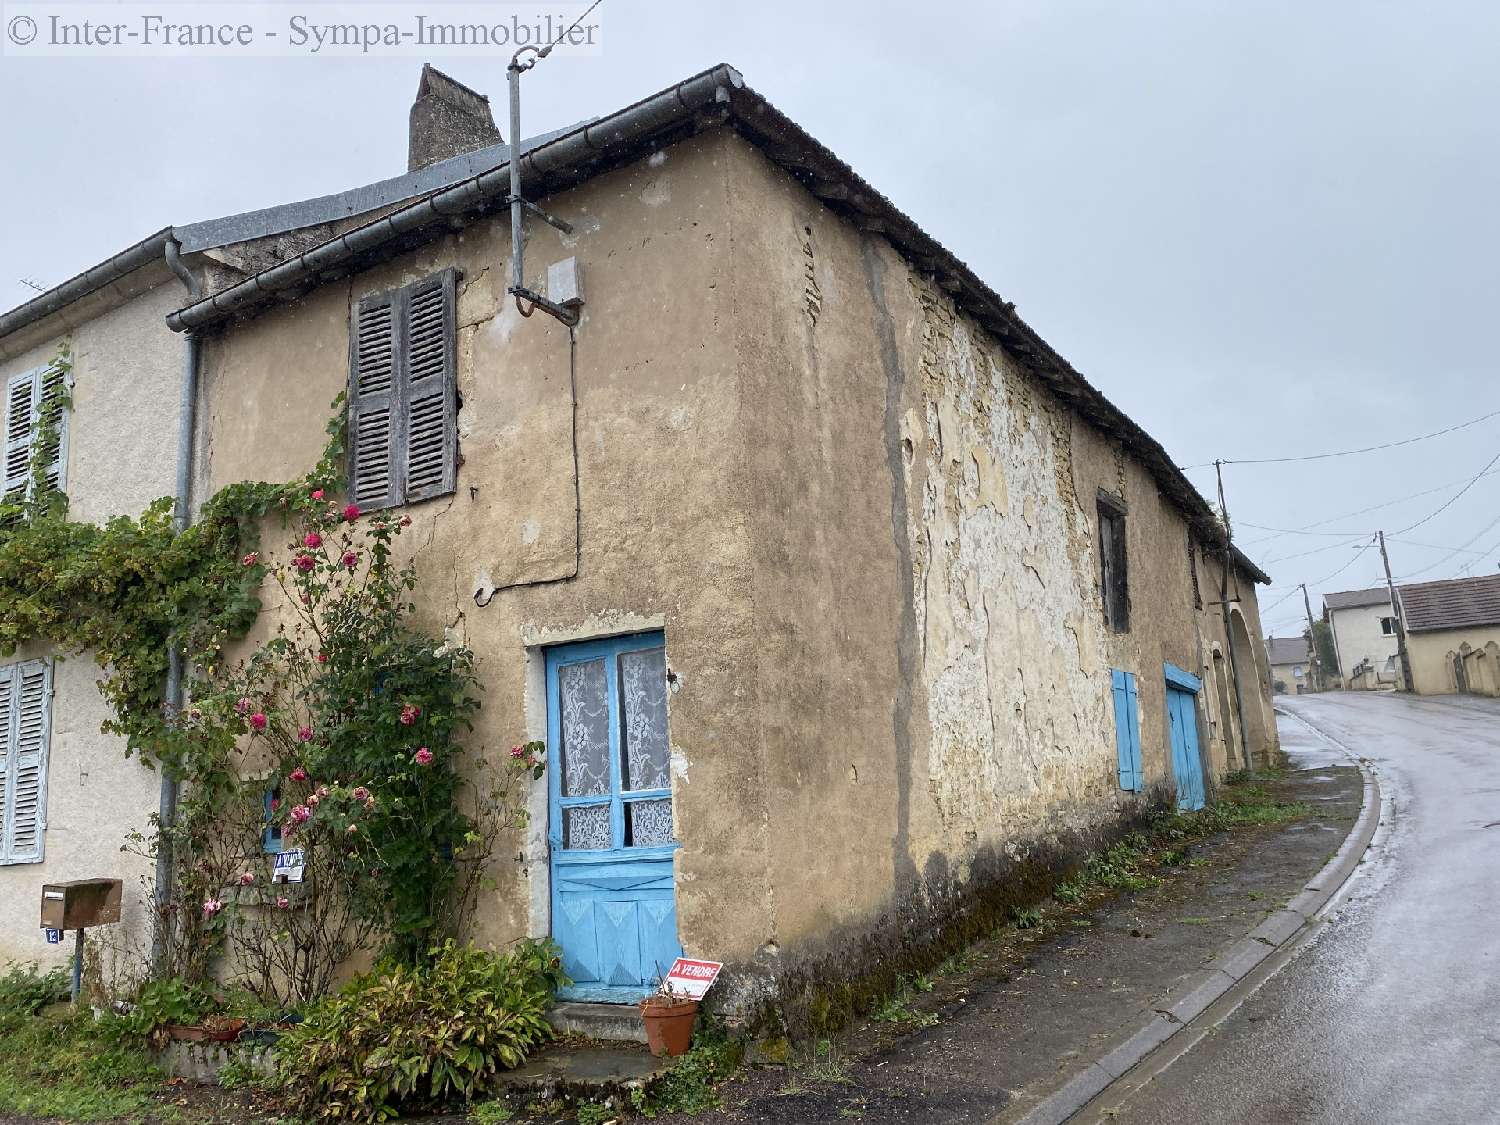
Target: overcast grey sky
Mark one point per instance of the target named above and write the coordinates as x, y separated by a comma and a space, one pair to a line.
1262, 229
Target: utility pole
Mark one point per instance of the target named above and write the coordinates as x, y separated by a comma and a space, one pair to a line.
1400, 617
1234, 672
1312, 642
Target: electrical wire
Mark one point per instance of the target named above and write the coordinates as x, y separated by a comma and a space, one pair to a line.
1482, 532
1307, 527
1448, 503
1347, 452
543, 54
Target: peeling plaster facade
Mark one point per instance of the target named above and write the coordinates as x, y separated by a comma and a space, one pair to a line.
867, 532
121, 444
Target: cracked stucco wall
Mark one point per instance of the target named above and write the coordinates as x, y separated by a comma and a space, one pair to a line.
934, 669
662, 487
122, 445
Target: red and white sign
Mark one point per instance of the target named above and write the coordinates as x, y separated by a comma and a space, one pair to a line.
691, 978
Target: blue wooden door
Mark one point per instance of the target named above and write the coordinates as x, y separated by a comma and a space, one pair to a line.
614, 908
1182, 718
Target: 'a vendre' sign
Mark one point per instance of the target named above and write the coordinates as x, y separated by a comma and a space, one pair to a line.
691, 978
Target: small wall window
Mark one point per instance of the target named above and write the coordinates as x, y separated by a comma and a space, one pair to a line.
271, 838
1388, 625
27, 395
1114, 585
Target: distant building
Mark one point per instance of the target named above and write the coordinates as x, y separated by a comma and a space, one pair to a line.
1291, 665
1453, 635
1364, 637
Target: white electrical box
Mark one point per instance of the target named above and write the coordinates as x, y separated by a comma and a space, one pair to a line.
565, 283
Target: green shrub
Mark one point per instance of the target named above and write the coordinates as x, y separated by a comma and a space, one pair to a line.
162, 1002
26, 990
689, 1085
407, 1039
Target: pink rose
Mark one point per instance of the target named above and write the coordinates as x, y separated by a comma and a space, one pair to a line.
317, 494
423, 756
323, 791
312, 800
282, 902
251, 559
405, 521
242, 706
247, 878
360, 793
312, 540
304, 734
211, 907
352, 828
257, 721
370, 803
518, 751
322, 658
409, 714
304, 563
299, 774
350, 559
351, 513
301, 814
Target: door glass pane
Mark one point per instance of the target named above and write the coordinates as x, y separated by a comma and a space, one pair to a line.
643, 696
648, 823
586, 826
584, 713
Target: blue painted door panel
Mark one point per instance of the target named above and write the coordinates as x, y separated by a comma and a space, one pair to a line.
1187, 766
609, 816
1127, 729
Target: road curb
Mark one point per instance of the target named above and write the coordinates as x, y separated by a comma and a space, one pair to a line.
1276, 935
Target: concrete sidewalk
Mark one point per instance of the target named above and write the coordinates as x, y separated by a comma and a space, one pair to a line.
1021, 1025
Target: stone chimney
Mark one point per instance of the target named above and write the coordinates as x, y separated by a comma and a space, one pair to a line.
447, 119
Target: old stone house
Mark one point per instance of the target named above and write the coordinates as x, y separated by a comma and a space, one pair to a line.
840, 599
1291, 664
1453, 635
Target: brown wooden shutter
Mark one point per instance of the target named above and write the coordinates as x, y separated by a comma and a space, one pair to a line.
374, 402
431, 441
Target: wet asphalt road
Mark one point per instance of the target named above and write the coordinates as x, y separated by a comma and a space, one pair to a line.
1392, 1014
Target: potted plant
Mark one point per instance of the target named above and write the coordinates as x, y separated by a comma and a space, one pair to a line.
222, 1029
669, 1018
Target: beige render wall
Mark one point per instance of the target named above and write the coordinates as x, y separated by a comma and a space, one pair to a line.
122, 442
934, 669
663, 539
1432, 654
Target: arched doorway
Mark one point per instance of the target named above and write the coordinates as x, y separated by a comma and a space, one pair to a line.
1247, 677
1225, 731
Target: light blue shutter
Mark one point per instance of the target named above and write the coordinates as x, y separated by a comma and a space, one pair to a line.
1127, 729
18, 412
30, 695
1133, 707
7, 736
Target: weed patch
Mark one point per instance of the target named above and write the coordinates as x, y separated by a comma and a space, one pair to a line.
690, 1085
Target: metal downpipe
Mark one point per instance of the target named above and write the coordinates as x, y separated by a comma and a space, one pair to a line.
187, 408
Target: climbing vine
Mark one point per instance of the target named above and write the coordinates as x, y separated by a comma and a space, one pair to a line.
132, 589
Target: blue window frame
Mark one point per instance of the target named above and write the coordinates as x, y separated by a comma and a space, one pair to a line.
1127, 729
270, 840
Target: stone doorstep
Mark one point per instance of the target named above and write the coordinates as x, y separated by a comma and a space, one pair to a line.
584, 1072
612, 1023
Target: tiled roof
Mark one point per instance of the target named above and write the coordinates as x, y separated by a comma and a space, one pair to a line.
1287, 650
1352, 599
1458, 603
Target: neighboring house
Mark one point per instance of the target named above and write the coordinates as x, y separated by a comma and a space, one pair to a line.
1291, 665
1453, 635
892, 601
68, 793
1364, 637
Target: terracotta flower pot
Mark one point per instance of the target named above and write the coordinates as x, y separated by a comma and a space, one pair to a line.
186, 1033
224, 1031
669, 1024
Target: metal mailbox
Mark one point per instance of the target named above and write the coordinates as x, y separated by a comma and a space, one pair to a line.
81, 903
